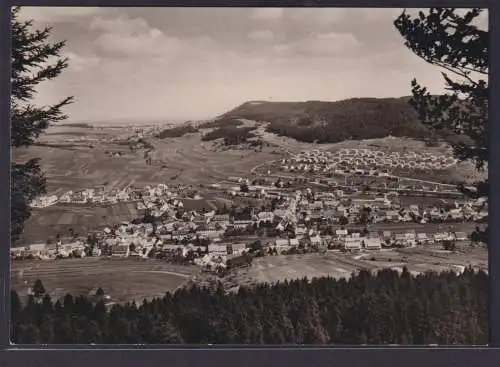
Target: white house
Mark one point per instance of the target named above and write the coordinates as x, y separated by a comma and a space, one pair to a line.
422, 237
266, 217
341, 233
223, 218
217, 249
37, 247
210, 233
120, 250
300, 231
236, 248
392, 215
316, 240
373, 243
242, 224
351, 243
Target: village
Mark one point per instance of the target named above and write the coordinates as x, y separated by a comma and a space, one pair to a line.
365, 161
349, 163
271, 218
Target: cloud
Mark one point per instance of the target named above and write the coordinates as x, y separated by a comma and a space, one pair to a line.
344, 38
146, 63
81, 63
316, 16
320, 45
124, 37
122, 25
145, 44
265, 35
58, 14
267, 13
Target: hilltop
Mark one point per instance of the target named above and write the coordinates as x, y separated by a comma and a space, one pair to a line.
330, 122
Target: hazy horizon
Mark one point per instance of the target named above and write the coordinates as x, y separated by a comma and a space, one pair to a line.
178, 64
166, 120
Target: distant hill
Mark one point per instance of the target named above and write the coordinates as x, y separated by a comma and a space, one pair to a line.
329, 122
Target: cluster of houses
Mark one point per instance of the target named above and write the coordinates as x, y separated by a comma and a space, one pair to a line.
304, 218
103, 196
364, 161
46, 251
137, 240
86, 196
350, 241
333, 207
44, 201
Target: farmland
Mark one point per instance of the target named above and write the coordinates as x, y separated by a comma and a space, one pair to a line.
78, 165
123, 279
59, 219
271, 269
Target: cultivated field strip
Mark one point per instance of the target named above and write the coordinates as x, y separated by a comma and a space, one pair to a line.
58, 269
271, 269
122, 279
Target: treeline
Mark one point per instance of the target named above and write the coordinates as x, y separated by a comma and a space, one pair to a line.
176, 132
328, 122
355, 119
232, 135
78, 124
222, 122
387, 308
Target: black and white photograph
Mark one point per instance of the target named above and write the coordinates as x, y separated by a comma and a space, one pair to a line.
249, 176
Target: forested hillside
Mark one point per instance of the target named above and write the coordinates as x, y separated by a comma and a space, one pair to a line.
385, 308
329, 122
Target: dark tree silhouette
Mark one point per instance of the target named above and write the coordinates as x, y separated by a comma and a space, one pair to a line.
38, 288
244, 187
382, 308
31, 53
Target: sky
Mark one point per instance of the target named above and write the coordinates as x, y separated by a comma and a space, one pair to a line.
165, 64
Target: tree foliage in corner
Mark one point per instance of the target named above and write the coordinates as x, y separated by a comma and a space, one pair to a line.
34, 60
452, 41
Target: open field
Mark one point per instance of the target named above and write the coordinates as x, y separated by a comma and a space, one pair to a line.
48, 222
122, 279
271, 269
196, 161
81, 218
185, 160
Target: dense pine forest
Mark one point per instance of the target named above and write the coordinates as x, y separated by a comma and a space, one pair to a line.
331, 122
386, 308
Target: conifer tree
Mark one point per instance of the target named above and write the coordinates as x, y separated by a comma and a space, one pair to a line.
31, 65
38, 288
